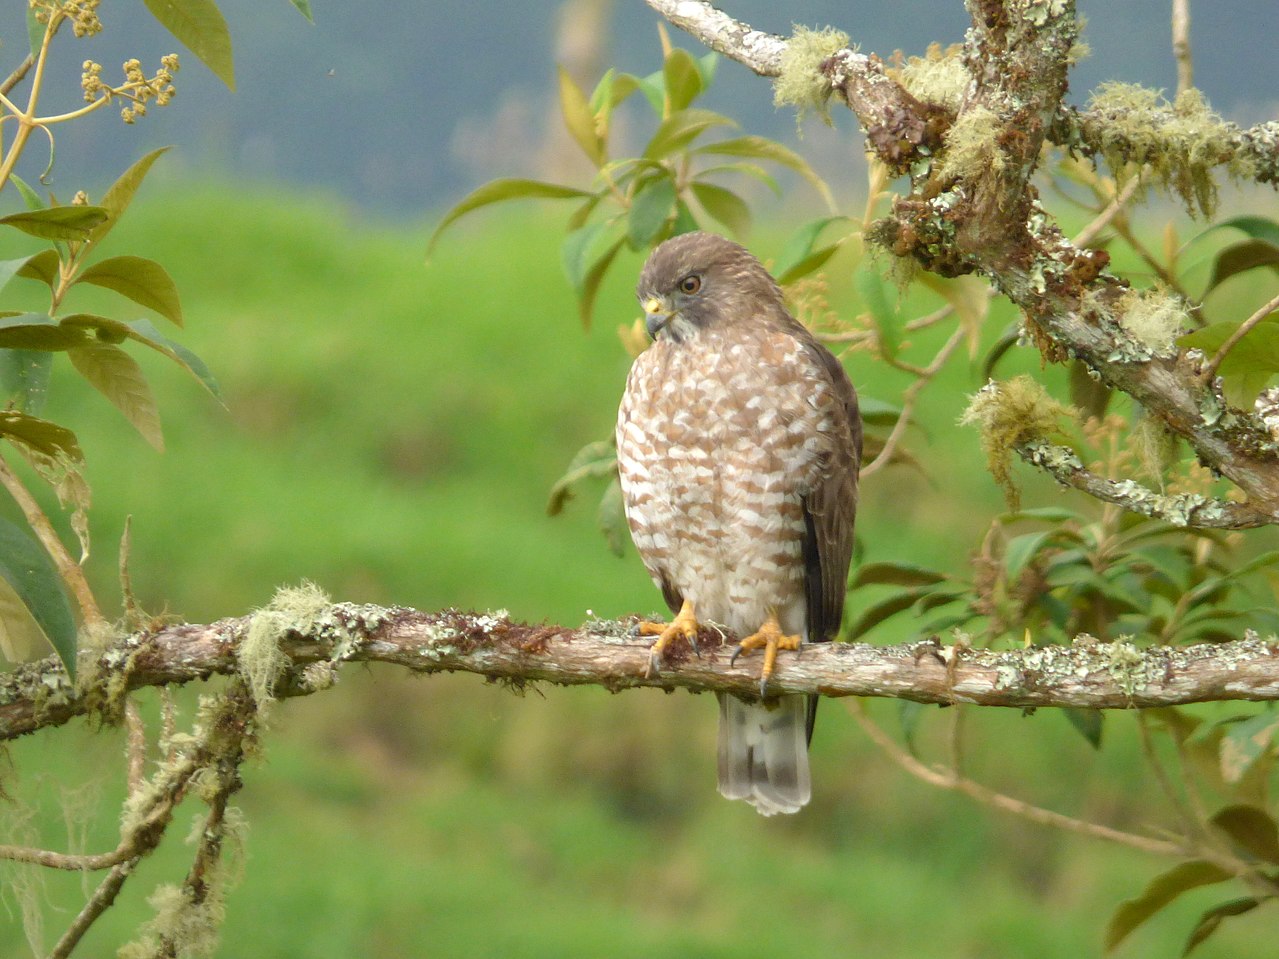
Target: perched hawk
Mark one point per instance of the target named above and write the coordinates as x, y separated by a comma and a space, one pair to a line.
738, 445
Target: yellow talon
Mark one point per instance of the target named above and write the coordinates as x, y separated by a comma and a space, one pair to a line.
769, 638
684, 624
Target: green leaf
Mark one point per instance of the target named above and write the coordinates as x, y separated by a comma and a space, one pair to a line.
1021, 550
680, 129
579, 119
35, 33
762, 148
199, 26
683, 78
1244, 743
24, 378
44, 266
143, 281
871, 287
652, 86
749, 169
611, 518
876, 614
602, 96
144, 331
304, 8
499, 191
121, 193
29, 196
1213, 917
577, 252
117, 376
1089, 723
1162, 890
685, 222
1257, 227
724, 205
41, 436
708, 64
1252, 829
37, 331
11, 268
591, 282
799, 251
34, 613
877, 412
583, 212
597, 459
57, 222
1257, 352
1240, 258
896, 574
652, 205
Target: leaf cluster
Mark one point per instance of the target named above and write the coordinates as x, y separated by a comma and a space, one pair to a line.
1231, 761
1109, 576
35, 613
674, 185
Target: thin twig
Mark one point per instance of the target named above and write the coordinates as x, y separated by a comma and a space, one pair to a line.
1181, 45
949, 779
13, 79
141, 839
99, 902
909, 399
1192, 825
1089, 233
1209, 370
67, 567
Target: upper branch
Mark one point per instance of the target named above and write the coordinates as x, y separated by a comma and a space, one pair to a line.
975, 210
897, 124
1086, 674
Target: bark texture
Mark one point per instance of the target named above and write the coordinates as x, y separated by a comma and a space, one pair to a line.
309, 651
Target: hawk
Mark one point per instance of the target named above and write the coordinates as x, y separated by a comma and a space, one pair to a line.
738, 446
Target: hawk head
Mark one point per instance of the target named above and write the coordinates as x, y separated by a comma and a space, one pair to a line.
698, 280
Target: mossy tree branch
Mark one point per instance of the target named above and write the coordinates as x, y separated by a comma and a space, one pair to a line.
972, 207
603, 653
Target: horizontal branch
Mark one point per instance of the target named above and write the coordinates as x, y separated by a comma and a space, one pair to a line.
1252, 152
604, 653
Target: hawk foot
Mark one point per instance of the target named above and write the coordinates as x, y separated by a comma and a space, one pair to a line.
684, 624
770, 639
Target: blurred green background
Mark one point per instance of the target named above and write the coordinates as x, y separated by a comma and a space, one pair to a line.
391, 431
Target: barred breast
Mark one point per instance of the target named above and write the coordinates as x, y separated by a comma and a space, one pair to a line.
718, 441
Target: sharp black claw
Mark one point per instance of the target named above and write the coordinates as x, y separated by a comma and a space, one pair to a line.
763, 687
737, 652
692, 641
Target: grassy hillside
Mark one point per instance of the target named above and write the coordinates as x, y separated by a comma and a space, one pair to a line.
390, 431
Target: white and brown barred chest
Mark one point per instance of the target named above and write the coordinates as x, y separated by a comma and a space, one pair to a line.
718, 440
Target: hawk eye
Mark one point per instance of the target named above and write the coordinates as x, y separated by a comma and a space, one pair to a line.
690, 284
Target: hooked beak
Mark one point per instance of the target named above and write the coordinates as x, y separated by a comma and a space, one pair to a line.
657, 313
